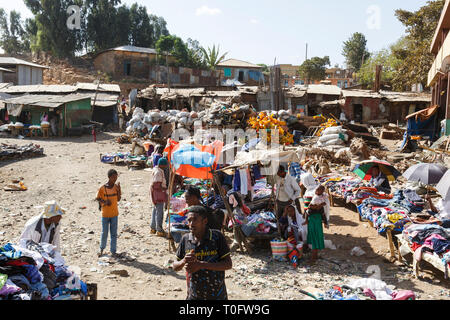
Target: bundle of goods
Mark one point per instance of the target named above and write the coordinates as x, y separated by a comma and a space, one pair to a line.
333, 137
260, 222
268, 123
328, 124
220, 113
429, 238
32, 271
15, 152
114, 157
365, 289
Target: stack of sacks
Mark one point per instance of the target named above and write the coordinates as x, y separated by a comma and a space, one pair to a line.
333, 136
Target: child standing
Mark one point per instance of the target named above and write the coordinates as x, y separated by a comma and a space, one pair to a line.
108, 197
314, 218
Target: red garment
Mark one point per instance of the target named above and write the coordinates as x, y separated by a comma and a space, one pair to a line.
415, 246
16, 263
246, 210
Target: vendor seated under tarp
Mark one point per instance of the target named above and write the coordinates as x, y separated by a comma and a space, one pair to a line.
380, 181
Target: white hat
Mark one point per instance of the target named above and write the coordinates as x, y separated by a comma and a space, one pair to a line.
52, 209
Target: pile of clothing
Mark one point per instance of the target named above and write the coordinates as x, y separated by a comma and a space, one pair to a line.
393, 214
31, 271
366, 289
429, 238
13, 151
260, 222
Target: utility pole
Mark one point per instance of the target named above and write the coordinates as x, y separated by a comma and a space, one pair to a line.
168, 71
306, 58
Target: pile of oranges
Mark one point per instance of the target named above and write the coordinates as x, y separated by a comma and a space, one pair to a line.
265, 122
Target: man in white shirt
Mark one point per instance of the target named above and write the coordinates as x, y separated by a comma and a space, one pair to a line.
45, 228
288, 190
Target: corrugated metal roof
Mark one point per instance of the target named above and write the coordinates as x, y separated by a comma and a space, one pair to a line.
49, 101
15, 61
103, 87
361, 94
104, 99
332, 103
405, 96
5, 85
40, 88
5, 70
323, 89
238, 64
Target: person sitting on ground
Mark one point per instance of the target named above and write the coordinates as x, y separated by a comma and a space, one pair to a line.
380, 181
441, 211
292, 224
159, 196
108, 197
45, 227
193, 197
314, 219
205, 255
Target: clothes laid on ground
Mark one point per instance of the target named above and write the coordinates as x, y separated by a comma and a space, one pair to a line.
26, 280
206, 284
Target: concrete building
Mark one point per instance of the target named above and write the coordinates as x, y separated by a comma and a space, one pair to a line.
245, 73
20, 72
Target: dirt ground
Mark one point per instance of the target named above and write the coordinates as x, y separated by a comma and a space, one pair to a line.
71, 173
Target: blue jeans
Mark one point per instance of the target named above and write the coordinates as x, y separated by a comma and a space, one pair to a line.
111, 225
158, 217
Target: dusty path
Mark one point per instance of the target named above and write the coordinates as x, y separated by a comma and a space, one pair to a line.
71, 173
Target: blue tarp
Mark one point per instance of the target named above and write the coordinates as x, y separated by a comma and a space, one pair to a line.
425, 128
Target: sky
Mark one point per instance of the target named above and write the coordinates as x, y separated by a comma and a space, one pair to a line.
260, 31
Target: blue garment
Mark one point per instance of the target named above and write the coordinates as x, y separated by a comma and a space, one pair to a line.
296, 171
237, 181
9, 252
42, 289
440, 246
32, 274
111, 224
156, 158
256, 172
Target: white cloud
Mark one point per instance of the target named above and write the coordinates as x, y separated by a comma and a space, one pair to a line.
204, 10
254, 21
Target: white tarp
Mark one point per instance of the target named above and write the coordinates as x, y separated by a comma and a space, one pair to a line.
14, 109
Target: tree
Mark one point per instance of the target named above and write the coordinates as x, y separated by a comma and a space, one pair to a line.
314, 68
159, 27
13, 38
51, 22
141, 30
414, 50
355, 51
265, 67
212, 57
385, 58
195, 54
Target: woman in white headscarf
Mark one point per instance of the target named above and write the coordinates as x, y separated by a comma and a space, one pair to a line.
310, 183
45, 228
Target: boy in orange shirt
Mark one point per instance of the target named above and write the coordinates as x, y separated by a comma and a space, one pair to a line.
108, 197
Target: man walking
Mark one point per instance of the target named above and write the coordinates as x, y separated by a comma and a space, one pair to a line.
206, 256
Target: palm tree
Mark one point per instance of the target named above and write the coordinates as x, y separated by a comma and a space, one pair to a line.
212, 57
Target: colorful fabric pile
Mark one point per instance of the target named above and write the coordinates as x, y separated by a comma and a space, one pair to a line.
260, 222
32, 271
429, 238
366, 289
391, 214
